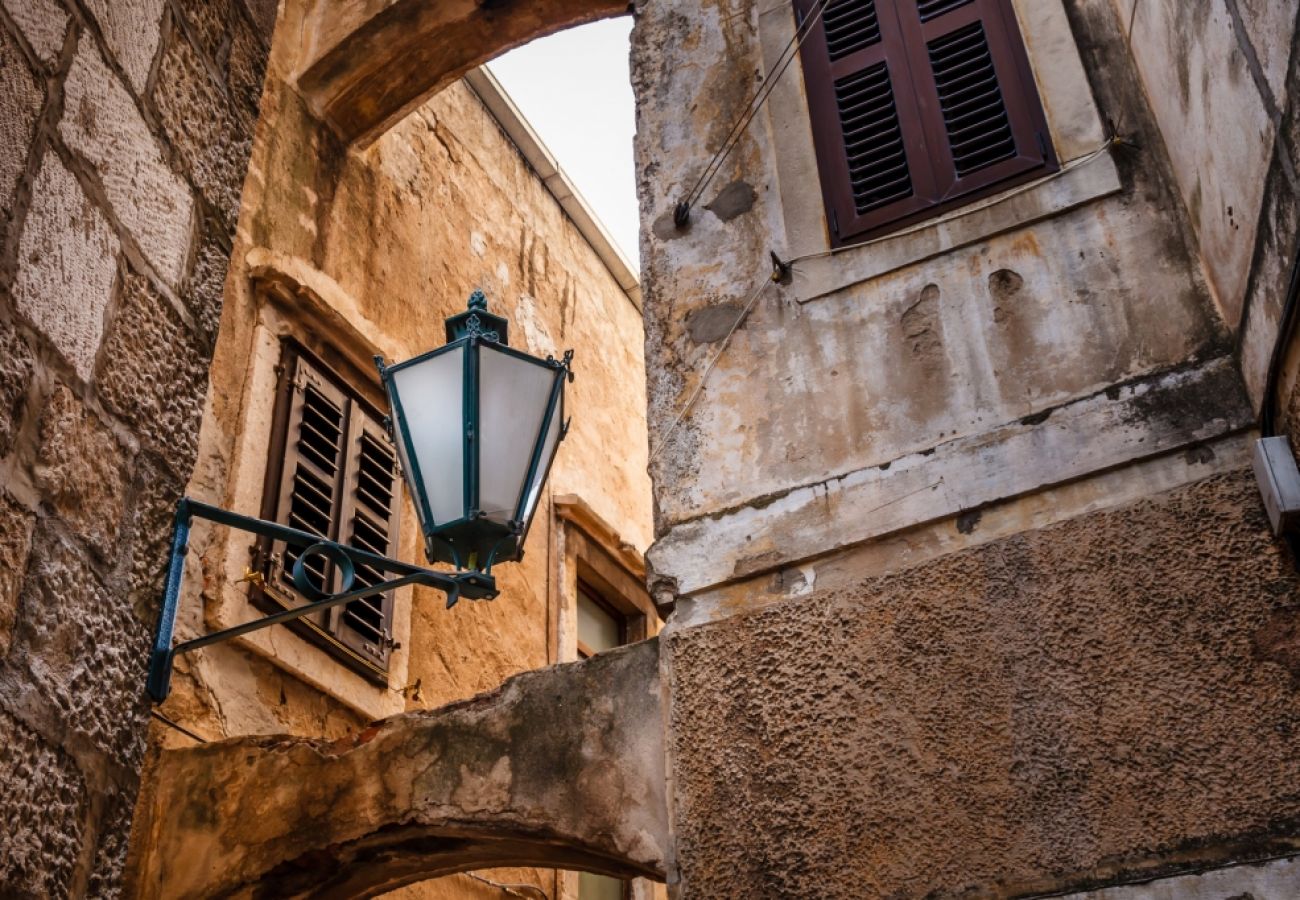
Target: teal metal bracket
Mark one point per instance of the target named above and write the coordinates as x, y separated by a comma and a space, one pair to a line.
473, 585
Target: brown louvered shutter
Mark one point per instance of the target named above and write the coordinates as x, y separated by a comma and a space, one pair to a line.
917, 106
331, 472
369, 522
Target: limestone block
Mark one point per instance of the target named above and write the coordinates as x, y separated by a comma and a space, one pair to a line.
80, 472
153, 372
67, 259
264, 13
88, 652
101, 123
247, 70
15, 541
209, 22
20, 104
15, 372
131, 29
147, 535
196, 113
43, 22
43, 807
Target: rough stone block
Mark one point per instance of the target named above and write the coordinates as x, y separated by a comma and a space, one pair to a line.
204, 290
16, 364
208, 23
85, 650
264, 13
43, 806
153, 373
20, 104
67, 259
16, 524
131, 29
213, 143
101, 122
146, 539
80, 471
43, 22
110, 856
247, 74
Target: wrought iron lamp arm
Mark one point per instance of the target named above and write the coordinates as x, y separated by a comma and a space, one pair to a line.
473, 585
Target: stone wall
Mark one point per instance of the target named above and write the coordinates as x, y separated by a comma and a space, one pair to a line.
117, 221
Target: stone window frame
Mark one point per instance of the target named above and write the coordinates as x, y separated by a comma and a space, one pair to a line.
288, 307
1075, 125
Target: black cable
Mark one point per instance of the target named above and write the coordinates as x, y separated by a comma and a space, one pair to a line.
755, 103
1285, 328
181, 728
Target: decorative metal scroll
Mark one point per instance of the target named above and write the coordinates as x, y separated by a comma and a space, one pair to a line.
472, 585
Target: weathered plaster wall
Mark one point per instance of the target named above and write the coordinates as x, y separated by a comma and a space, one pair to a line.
1002, 351
1111, 696
117, 219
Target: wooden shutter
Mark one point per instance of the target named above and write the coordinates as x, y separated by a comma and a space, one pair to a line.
369, 522
332, 472
917, 106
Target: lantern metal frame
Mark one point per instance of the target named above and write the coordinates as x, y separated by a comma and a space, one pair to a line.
473, 541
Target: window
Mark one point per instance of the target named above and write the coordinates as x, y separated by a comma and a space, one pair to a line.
918, 106
600, 626
332, 471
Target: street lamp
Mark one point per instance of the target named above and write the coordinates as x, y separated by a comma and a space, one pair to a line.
477, 424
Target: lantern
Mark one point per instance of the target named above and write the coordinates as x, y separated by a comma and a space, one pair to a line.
476, 424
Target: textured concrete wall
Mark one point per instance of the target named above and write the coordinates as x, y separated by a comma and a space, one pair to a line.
1110, 697
115, 209
973, 359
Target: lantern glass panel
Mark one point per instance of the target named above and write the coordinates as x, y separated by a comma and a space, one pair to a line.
431, 394
513, 397
553, 430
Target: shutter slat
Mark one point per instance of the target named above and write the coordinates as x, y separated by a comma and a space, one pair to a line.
971, 101
931, 9
851, 25
873, 141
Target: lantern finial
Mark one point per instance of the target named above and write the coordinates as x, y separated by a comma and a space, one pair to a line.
477, 322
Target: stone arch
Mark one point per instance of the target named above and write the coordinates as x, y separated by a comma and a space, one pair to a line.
368, 71
562, 767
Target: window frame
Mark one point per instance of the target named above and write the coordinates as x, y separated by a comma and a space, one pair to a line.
901, 46
328, 630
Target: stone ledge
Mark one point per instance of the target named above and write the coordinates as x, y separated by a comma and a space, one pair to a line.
1112, 428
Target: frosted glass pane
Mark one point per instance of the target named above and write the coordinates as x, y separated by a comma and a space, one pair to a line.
432, 397
513, 395
548, 451
597, 628
599, 887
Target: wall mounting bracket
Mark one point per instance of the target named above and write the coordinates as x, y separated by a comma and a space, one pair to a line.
473, 585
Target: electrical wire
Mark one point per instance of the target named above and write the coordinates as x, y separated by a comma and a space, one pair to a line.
791, 265
176, 725
753, 106
1066, 168
510, 890
699, 388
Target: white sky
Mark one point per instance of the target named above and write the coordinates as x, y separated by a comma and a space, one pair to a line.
575, 89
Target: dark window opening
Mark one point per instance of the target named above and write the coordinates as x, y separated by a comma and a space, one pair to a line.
917, 107
332, 471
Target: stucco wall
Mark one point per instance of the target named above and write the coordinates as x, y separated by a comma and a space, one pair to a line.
974, 360
118, 216
1099, 699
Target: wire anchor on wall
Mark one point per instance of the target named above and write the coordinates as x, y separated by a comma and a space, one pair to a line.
682, 210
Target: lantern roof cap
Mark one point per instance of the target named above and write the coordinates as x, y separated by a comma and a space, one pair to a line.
476, 321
